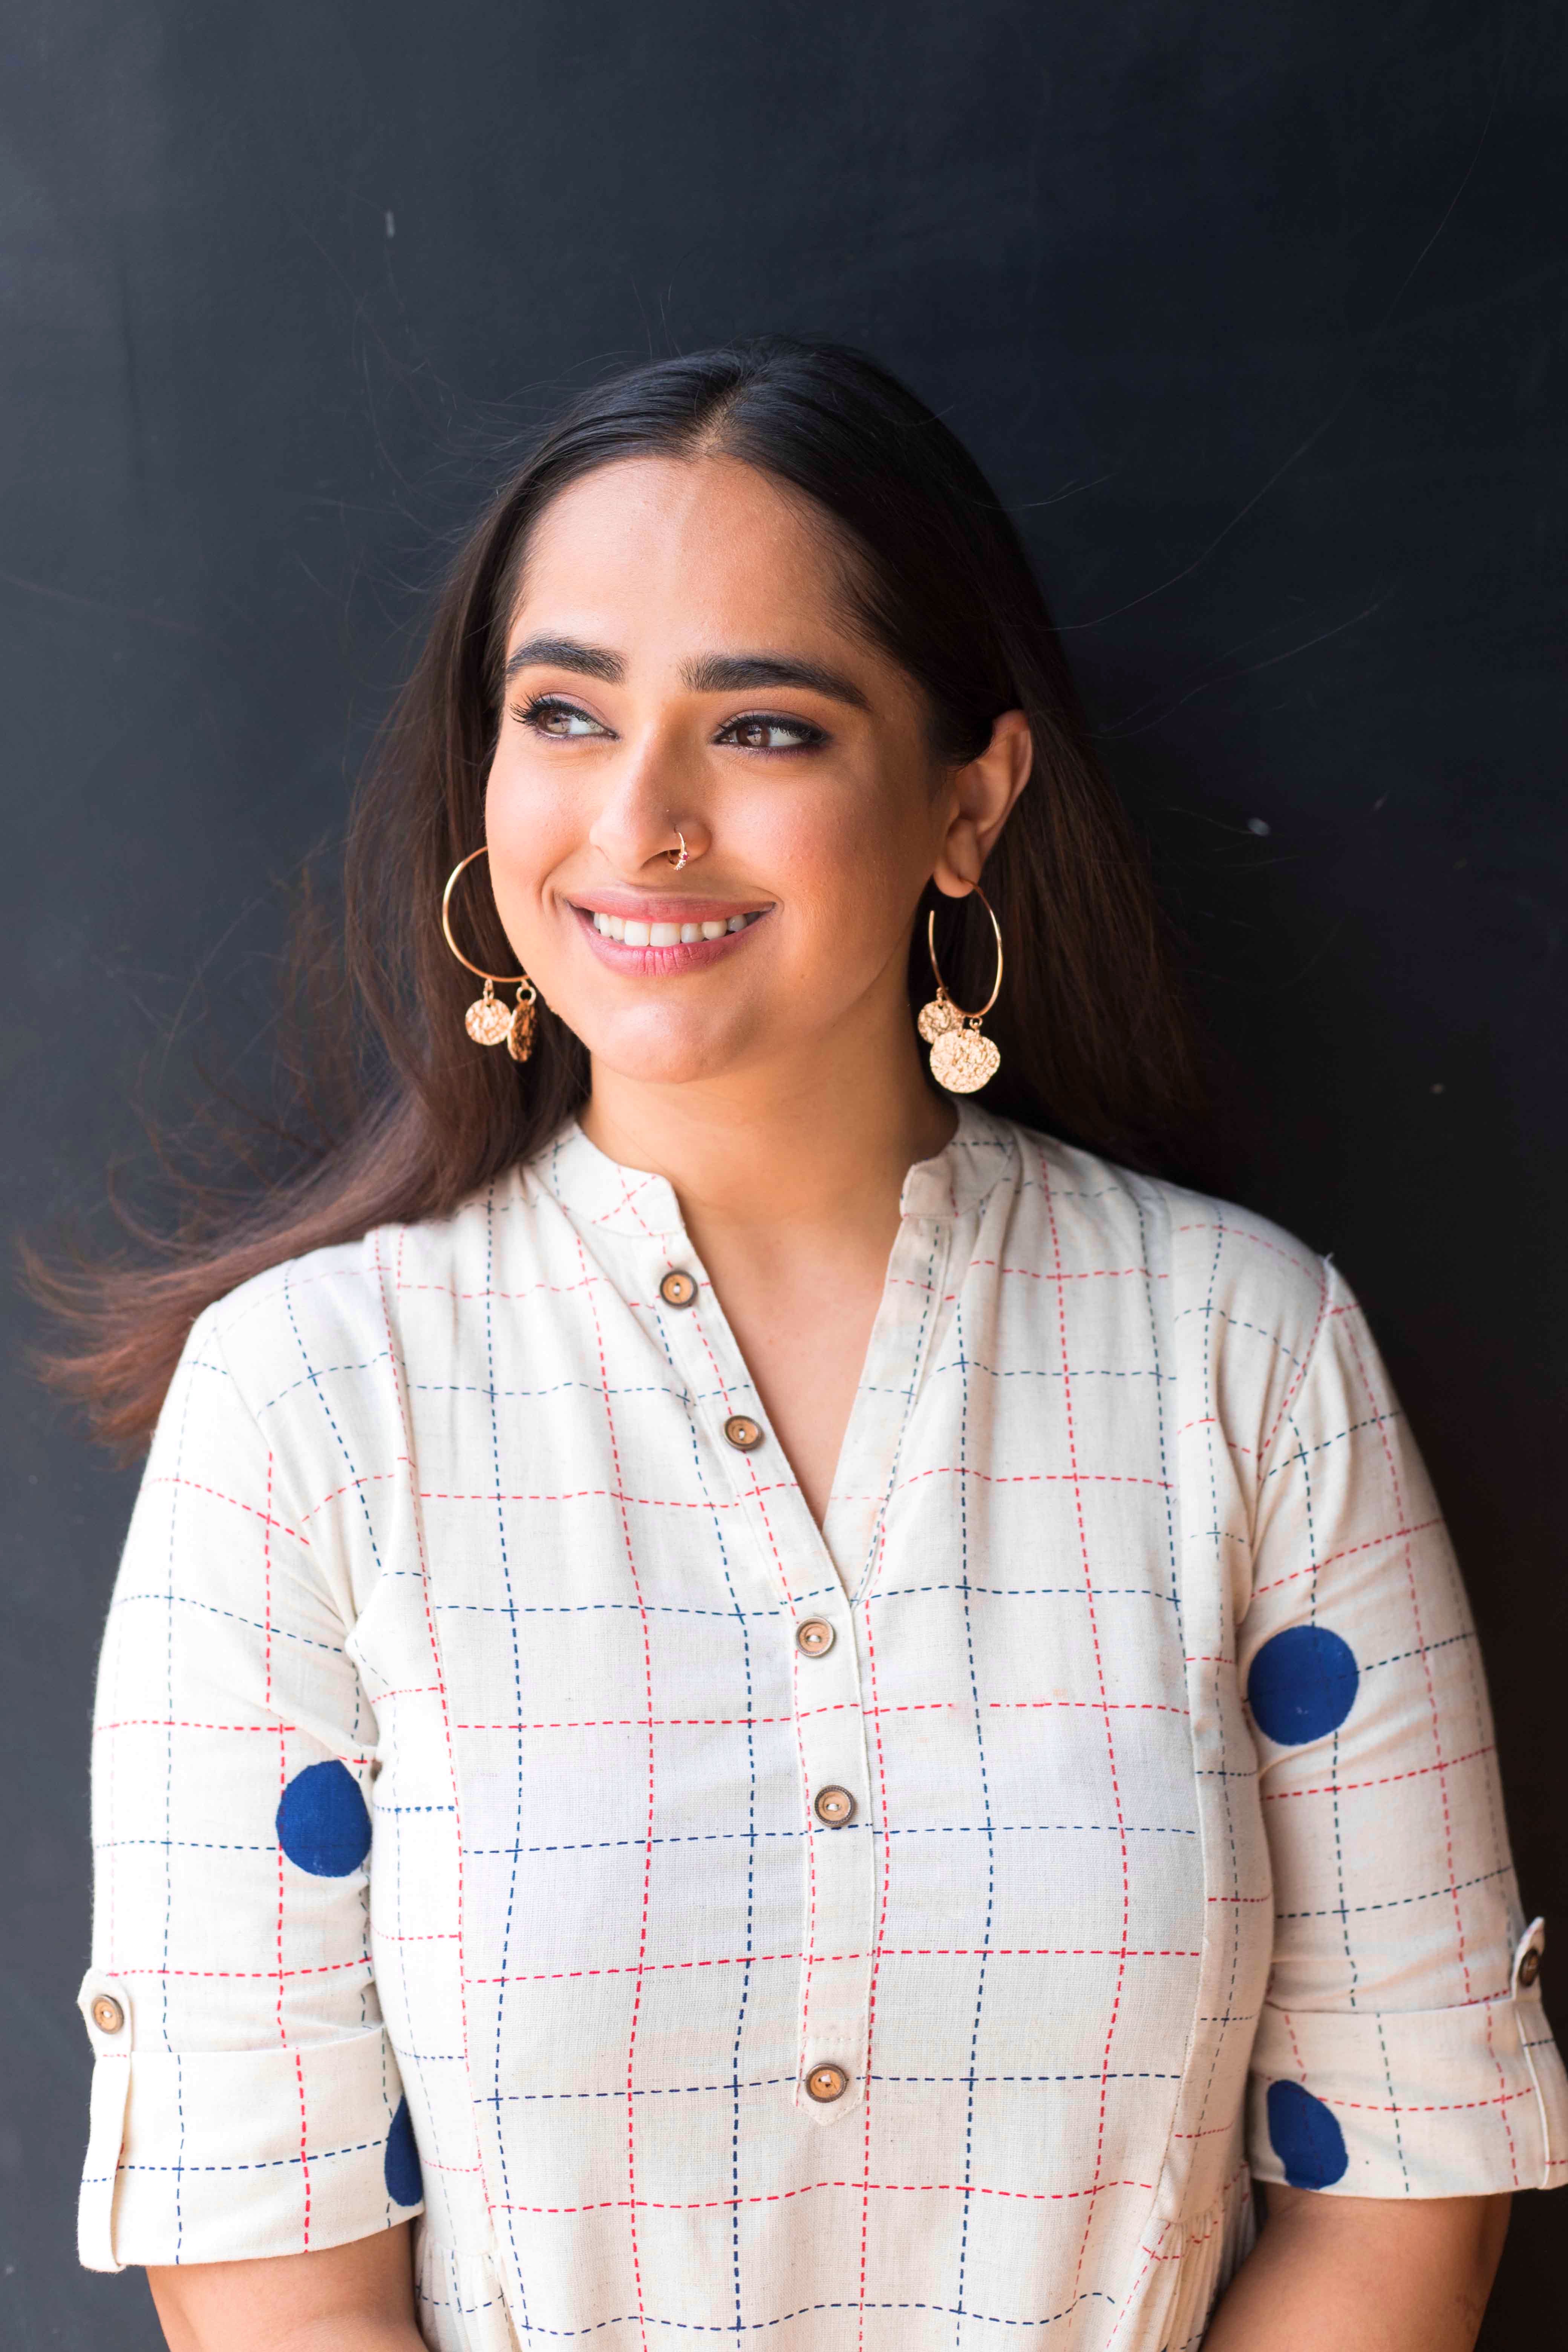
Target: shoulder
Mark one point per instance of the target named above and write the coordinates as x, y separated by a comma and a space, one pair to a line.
326, 1314
1226, 1268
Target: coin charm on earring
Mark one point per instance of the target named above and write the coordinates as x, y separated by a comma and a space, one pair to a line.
961, 1059
936, 1018
486, 1020
488, 1023
519, 1028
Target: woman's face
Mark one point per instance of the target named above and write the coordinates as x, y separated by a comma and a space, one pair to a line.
680, 661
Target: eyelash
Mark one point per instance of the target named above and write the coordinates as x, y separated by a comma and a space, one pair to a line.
542, 706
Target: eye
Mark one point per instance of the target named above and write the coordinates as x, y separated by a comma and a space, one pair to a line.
761, 730
550, 714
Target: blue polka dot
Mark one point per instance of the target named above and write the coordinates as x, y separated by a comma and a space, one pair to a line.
1306, 2139
1302, 1685
404, 2180
322, 1824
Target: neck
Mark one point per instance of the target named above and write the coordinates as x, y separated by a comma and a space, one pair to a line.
820, 1135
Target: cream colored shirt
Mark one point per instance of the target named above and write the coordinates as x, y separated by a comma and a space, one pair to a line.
459, 1749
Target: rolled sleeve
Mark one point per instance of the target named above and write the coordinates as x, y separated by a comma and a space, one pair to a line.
1403, 2049
244, 2100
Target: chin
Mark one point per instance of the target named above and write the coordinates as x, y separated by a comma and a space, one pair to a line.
661, 1052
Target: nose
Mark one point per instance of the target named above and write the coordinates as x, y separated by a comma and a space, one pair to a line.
648, 801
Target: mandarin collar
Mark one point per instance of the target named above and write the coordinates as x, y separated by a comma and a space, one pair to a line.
635, 1203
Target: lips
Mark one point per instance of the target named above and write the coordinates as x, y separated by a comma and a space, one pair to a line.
636, 934
658, 938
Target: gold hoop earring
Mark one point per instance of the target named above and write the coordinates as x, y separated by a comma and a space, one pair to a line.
681, 856
962, 1060
487, 1020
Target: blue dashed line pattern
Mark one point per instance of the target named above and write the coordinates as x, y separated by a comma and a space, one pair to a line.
455, 1761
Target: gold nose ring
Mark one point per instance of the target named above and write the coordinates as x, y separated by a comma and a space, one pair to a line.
681, 856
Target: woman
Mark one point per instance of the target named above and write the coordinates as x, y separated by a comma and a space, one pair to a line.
771, 1701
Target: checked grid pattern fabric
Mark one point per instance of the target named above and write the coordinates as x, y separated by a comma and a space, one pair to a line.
455, 1766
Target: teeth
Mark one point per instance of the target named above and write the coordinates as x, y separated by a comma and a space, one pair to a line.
665, 934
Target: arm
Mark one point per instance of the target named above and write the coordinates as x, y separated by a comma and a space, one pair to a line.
1363, 2275
1404, 2081
352, 2298
246, 2102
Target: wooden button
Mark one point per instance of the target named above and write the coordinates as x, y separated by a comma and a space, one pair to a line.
107, 2015
824, 2082
816, 1637
1530, 1967
834, 1806
744, 1431
679, 1288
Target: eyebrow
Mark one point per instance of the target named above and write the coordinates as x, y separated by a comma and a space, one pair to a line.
709, 674
735, 673
566, 653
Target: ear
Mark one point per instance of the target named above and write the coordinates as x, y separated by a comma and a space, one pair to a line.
981, 798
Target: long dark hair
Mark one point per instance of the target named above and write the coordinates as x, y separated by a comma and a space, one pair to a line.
1091, 1024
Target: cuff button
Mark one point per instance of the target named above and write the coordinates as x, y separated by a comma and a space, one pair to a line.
1527, 1954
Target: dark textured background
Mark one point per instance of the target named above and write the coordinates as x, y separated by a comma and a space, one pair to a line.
1255, 314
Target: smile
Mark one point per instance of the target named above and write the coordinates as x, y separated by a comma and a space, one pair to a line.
666, 937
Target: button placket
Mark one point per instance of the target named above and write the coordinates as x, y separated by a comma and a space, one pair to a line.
839, 1882
802, 1581
841, 1879
833, 1688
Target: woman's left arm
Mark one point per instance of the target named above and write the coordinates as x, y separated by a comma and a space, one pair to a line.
1363, 2275
1403, 2079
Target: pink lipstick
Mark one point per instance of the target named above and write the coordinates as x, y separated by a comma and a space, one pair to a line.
657, 937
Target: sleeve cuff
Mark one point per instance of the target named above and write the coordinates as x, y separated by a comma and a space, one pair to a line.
219, 2155
1426, 2103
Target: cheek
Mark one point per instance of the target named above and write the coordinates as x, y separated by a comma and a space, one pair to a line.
857, 850
531, 825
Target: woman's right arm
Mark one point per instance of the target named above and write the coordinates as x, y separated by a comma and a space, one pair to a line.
249, 2143
352, 2298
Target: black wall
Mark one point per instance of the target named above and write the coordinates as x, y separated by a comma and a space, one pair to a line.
1255, 315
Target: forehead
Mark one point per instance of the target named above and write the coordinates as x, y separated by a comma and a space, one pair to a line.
685, 550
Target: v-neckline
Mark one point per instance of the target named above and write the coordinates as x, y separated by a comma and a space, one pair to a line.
643, 1206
